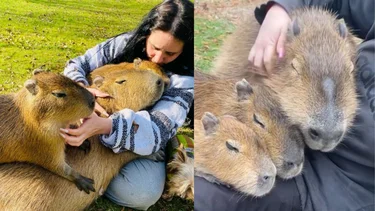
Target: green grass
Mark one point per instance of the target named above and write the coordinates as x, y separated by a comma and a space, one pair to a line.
208, 36
46, 34
37, 33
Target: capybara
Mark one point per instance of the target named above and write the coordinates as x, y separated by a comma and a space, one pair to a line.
28, 187
30, 122
258, 110
230, 153
314, 81
118, 77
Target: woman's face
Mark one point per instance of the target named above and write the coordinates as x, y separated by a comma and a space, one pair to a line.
162, 47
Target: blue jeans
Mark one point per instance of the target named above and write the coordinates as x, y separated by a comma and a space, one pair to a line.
138, 185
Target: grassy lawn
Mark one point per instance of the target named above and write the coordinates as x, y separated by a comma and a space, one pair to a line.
46, 34
43, 33
208, 37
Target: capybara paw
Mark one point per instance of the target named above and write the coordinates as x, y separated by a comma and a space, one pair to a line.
85, 146
85, 184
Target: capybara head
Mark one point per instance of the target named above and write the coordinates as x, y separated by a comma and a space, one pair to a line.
138, 64
55, 98
134, 89
259, 110
287, 143
316, 80
230, 151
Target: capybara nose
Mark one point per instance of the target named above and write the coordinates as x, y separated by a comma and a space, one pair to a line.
328, 134
91, 101
92, 104
293, 164
159, 82
266, 178
314, 134
290, 165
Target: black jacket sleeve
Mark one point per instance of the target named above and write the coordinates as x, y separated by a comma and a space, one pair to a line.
358, 14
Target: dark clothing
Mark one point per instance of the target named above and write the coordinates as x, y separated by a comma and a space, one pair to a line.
210, 196
339, 180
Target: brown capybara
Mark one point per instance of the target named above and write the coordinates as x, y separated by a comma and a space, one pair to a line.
314, 81
258, 110
230, 153
120, 76
138, 64
30, 122
28, 187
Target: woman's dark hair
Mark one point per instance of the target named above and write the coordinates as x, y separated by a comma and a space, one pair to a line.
175, 17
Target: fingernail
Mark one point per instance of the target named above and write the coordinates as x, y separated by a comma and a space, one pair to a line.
64, 130
281, 53
62, 135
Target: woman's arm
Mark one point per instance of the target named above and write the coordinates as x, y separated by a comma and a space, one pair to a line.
145, 132
77, 68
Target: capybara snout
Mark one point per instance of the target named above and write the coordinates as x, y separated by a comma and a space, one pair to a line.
320, 96
293, 152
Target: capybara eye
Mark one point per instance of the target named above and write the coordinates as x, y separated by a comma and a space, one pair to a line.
120, 81
256, 120
59, 94
230, 147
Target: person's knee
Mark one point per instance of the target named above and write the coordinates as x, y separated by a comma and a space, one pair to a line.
139, 184
140, 199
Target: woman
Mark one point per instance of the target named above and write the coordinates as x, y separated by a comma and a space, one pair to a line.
165, 37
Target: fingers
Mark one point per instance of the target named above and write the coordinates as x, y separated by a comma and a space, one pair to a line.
73, 137
98, 93
73, 140
259, 63
74, 132
101, 94
101, 110
269, 59
280, 48
252, 55
251, 58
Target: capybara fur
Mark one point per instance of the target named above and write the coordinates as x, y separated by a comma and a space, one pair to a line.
30, 122
147, 77
29, 187
259, 111
315, 81
230, 153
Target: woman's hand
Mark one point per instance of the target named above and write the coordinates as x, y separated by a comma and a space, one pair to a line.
97, 93
92, 125
270, 40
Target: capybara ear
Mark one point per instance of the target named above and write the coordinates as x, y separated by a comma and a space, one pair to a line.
343, 31
210, 123
294, 28
243, 90
137, 62
31, 86
98, 81
37, 71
